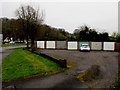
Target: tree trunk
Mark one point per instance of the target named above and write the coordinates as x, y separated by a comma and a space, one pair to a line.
23, 40
27, 42
33, 44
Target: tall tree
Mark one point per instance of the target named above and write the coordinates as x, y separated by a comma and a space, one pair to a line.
87, 34
115, 37
30, 19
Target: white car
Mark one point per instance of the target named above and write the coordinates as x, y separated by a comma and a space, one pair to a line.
85, 47
11, 42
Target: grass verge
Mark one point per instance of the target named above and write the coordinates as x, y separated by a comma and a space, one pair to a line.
10, 45
23, 63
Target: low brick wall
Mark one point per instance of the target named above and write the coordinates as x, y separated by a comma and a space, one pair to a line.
61, 62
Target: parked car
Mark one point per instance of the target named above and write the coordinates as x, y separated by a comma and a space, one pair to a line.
6, 41
12, 42
85, 47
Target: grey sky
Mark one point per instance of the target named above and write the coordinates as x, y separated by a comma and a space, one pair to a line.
103, 16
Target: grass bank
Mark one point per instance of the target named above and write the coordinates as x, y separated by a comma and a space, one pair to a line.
23, 63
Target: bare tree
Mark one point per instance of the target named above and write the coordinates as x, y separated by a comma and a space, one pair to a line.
30, 19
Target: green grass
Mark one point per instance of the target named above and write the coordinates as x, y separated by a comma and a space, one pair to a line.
8, 45
23, 63
17, 44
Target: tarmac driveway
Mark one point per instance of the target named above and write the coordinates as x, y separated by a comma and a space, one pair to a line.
108, 62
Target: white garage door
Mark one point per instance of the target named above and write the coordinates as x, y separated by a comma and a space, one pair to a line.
72, 45
50, 44
40, 44
109, 46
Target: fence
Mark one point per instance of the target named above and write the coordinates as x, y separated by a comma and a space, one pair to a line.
75, 45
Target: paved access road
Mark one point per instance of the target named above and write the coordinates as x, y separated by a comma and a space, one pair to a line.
108, 62
12, 47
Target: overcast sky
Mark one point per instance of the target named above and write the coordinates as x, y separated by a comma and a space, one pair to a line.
103, 16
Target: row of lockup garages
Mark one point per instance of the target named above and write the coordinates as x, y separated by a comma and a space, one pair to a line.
75, 45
